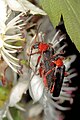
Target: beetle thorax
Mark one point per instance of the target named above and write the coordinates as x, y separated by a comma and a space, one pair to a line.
43, 47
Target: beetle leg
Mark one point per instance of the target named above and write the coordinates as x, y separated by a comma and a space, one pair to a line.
45, 81
52, 89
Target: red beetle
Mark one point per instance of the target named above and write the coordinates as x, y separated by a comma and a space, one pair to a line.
51, 69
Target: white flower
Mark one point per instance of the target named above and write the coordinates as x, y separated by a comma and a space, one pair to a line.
24, 6
17, 91
10, 32
20, 87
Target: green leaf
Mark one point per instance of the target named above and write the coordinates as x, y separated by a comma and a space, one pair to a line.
70, 9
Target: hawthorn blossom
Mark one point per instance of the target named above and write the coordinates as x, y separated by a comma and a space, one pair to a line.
9, 34
8, 37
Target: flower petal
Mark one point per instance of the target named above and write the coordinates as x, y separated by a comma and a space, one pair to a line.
24, 6
2, 27
7, 61
17, 92
33, 9
36, 88
15, 5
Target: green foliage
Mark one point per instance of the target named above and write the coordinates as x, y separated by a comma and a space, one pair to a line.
70, 9
4, 94
16, 114
5, 119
